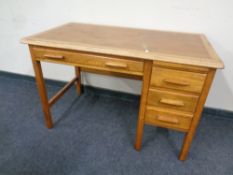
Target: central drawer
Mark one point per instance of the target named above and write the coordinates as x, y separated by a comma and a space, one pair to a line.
172, 100
86, 60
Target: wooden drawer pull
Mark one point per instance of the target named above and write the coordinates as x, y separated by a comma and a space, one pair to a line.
116, 65
176, 82
168, 119
54, 56
171, 102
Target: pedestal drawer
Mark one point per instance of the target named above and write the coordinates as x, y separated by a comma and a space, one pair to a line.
177, 79
176, 121
172, 100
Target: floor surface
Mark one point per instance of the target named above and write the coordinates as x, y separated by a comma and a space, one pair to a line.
94, 134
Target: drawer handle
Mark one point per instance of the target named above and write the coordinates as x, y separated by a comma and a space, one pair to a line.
168, 119
171, 102
116, 65
60, 57
176, 82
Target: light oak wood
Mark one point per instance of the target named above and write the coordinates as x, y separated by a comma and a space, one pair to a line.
168, 119
176, 69
42, 90
85, 60
209, 47
181, 67
177, 82
197, 115
175, 47
109, 73
173, 100
177, 79
116, 65
78, 80
60, 93
60, 57
143, 101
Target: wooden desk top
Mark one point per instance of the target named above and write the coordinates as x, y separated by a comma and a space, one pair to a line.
176, 47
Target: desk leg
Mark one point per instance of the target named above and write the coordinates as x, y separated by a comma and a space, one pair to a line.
42, 92
78, 82
145, 87
189, 136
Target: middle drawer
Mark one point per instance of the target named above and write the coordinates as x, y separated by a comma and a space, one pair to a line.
172, 100
92, 61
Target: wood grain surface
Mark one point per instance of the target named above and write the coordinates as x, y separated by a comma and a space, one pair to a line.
177, 47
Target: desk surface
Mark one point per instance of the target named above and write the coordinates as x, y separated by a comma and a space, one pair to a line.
176, 47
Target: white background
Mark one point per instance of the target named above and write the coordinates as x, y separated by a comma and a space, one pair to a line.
214, 18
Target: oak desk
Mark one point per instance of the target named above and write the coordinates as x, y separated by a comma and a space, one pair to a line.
176, 69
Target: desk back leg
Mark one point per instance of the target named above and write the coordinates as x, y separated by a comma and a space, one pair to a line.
145, 87
78, 82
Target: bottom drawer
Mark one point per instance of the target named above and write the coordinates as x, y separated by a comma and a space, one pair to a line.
176, 121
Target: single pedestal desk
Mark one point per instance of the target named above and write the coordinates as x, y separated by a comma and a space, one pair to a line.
176, 69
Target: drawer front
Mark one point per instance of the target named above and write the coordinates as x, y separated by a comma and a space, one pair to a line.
124, 65
167, 119
172, 100
177, 79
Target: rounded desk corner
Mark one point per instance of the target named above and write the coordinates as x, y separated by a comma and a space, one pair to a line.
23, 41
221, 66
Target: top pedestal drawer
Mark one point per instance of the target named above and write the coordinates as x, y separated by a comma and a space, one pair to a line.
177, 79
122, 65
